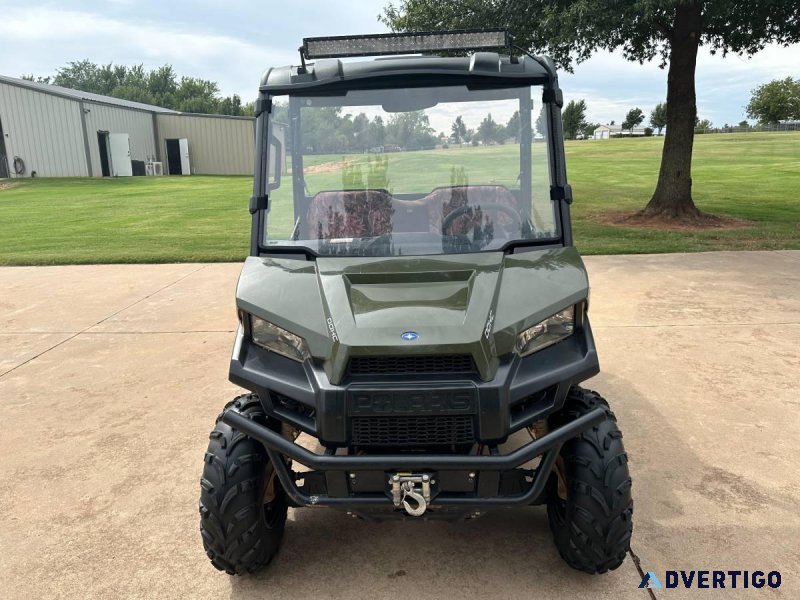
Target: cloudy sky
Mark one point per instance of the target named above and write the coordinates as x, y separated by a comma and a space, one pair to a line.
233, 41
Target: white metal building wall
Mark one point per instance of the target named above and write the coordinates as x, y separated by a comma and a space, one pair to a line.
217, 145
44, 130
136, 123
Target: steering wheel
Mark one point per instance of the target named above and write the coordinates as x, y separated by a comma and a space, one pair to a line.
373, 246
516, 218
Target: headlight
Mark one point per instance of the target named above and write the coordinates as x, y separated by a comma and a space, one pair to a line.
278, 340
548, 332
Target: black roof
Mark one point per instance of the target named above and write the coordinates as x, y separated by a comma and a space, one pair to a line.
488, 67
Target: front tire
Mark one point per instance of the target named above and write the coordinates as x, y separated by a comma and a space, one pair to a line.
589, 503
242, 504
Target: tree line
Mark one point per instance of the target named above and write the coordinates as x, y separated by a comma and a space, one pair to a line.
488, 131
160, 86
575, 124
330, 129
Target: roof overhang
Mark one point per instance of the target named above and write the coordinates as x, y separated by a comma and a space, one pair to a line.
479, 68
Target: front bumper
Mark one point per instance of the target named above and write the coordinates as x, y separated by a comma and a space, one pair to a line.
523, 391
465, 481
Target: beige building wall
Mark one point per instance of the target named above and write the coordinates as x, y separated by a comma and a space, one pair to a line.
218, 145
138, 124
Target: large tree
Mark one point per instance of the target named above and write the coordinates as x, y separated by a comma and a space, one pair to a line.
411, 130
574, 118
589, 128
489, 131
458, 131
633, 119
703, 124
512, 127
671, 30
775, 101
658, 118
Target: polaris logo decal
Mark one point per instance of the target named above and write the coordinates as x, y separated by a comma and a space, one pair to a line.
332, 330
410, 336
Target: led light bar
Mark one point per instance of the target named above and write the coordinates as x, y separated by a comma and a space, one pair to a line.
405, 43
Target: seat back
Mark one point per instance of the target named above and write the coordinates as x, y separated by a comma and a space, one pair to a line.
442, 201
351, 213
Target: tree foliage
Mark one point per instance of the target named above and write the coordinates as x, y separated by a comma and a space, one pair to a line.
331, 130
588, 129
633, 119
573, 118
458, 131
541, 122
411, 130
776, 101
571, 32
658, 118
160, 86
489, 132
703, 124
668, 30
512, 127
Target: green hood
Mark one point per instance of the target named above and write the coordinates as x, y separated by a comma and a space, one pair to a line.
456, 304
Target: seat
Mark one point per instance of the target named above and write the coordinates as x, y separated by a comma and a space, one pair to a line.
350, 214
442, 201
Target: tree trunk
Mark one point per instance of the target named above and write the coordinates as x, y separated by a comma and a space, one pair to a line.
673, 195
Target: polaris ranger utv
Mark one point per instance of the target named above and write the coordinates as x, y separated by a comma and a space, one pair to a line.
410, 304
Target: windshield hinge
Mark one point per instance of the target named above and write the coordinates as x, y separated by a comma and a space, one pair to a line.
258, 203
553, 95
262, 105
559, 192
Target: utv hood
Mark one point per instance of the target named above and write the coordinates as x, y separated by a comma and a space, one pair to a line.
472, 304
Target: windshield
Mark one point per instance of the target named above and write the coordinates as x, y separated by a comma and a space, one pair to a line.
390, 172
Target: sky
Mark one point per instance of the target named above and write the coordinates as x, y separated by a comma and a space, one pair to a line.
232, 42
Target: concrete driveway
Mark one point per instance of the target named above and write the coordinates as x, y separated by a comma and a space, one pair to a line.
111, 377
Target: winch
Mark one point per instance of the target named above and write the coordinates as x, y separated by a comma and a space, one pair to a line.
411, 492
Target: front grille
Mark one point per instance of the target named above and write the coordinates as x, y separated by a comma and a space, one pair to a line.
413, 430
409, 365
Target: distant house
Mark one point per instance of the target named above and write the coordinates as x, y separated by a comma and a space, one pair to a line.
608, 131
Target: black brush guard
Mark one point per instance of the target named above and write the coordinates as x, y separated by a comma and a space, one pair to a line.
337, 491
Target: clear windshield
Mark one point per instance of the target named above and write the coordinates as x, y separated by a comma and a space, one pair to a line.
392, 172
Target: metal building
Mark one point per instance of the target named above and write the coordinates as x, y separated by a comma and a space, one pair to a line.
215, 144
50, 131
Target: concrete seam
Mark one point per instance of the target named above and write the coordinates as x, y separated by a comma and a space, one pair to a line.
103, 320
720, 324
638, 565
2, 333
150, 295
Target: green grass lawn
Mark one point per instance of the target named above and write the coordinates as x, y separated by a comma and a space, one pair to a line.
748, 176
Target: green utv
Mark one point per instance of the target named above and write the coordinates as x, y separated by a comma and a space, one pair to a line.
410, 304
